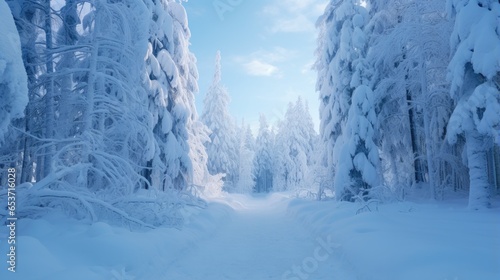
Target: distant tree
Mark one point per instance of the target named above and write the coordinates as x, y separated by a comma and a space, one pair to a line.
172, 82
222, 149
246, 156
263, 160
359, 172
294, 149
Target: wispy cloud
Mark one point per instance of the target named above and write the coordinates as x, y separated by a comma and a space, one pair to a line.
298, 23
265, 62
292, 16
308, 67
260, 68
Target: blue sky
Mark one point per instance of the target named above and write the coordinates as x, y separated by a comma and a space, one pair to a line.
267, 49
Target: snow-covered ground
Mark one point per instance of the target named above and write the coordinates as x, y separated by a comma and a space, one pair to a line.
272, 237
408, 240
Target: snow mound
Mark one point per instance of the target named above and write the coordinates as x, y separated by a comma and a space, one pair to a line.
60, 248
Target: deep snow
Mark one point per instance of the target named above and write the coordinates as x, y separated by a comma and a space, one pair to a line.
271, 237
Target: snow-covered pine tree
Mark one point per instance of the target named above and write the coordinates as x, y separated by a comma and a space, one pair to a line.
246, 156
113, 138
249, 138
172, 81
388, 84
310, 134
222, 149
334, 65
294, 149
197, 132
474, 72
263, 160
283, 163
340, 65
13, 78
359, 171
13, 83
28, 16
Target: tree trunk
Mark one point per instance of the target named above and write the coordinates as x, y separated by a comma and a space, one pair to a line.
429, 145
417, 163
479, 190
49, 95
496, 166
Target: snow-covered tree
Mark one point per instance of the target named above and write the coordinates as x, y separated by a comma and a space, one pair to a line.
263, 160
13, 87
29, 18
474, 72
306, 129
13, 78
359, 170
114, 140
222, 149
410, 89
335, 71
117, 80
294, 149
172, 81
284, 164
246, 153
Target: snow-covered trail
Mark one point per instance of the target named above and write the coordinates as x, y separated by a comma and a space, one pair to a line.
260, 241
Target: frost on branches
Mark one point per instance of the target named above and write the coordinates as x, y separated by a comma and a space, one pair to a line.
246, 156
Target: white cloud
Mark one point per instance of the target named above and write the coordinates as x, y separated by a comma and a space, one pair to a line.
265, 62
259, 68
292, 16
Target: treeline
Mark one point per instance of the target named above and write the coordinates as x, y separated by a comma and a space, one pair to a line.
280, 158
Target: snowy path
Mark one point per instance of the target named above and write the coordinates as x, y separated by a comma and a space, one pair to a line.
259, 242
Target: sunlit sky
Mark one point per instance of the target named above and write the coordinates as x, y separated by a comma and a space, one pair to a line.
267, 49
